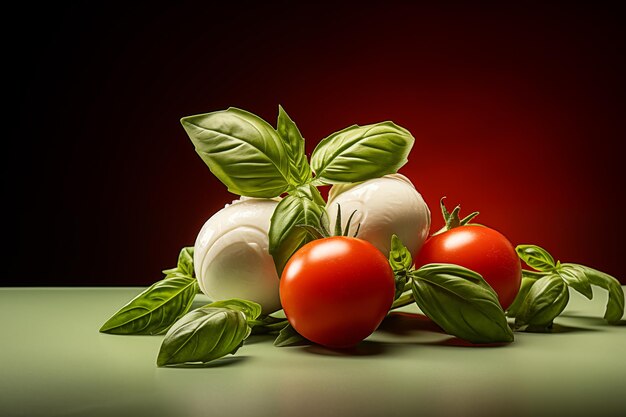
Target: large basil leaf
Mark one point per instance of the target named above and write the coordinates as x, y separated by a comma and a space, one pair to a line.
251, 309
203, 335
299, 208
545, 300
359, 153
575, 277
242, 150
461, 302
536, 257
155, 309
299, 169
615, 306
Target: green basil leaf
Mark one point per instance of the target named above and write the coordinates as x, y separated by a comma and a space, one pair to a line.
575, 277
299, 169
461, 302
544, 302
288, 336
527, 282
401, 263
241, 150
615, 306
204, 335
155, 309
285, 238
251, 309
359, 153
184, 265
536, 257
399, 256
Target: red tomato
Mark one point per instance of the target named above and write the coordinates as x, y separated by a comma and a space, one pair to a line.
480, 249
336, 291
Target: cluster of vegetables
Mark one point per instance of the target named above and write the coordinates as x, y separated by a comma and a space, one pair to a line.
273, 264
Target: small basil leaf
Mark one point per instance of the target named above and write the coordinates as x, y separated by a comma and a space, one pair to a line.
284, 237
288, 336
203, 335
401, 263
527, 282
461, 303
615, 306
241, 150
536, 257
155, 309
544, 302
399, 256
251, 309
184, 265
359, 153
576, 278
299, 169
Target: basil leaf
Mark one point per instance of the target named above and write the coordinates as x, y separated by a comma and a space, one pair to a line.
399, 256
155, 309
241, 150
204, 335
184, 265
359, 153
615, 306
251, 309
461, 302
299, 169
576, 278
544, 302
401, 263
536, 257
527, 282
285, 238
288, 336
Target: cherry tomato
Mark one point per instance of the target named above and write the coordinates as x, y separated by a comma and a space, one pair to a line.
480, 249
336, 291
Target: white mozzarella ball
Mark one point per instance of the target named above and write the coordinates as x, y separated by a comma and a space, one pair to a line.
231, 254
384, 206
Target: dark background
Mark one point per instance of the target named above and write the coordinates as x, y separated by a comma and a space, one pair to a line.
517, 110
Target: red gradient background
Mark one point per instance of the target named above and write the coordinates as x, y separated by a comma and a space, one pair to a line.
517, 111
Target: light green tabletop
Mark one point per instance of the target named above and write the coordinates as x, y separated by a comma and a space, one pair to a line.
53, 361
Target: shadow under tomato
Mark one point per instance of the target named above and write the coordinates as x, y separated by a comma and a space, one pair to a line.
400, 323
365, 348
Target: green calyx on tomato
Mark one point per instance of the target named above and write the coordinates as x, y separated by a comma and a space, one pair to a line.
478, 248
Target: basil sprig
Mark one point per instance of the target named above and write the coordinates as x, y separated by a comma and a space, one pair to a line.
208, 333
544, 292
457, 299
253, 159
154, 310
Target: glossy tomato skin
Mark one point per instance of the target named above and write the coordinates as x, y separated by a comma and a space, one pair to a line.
336, 291
480, 249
